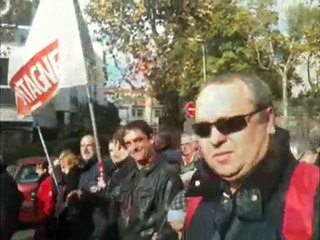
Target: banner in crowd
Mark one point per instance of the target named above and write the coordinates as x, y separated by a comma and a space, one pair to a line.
53, 57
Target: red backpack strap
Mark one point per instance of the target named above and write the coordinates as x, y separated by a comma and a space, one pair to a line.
192, 205
300, 202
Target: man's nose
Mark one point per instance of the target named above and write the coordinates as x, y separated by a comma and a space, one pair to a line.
133, 147
216, 137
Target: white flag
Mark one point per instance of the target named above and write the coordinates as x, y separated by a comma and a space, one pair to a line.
53, 57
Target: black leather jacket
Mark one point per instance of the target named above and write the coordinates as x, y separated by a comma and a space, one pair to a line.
144, 198
10, 202
256, 209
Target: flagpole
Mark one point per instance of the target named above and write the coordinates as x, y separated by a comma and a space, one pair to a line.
59, 192
93, 122
95, 134
43, 143
45, 151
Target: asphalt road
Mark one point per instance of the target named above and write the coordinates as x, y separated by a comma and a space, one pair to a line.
23, 235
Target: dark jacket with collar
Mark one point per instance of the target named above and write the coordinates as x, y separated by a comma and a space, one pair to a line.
173, 157
82, 224
89, 175
66, 218
145, 198
71, 180
10, 202
121, 170
105, 216
255, 211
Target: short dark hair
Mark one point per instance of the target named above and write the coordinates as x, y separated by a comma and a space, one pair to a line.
260, 93
44, 164
163, 140
140, 125
166, 137
118, 136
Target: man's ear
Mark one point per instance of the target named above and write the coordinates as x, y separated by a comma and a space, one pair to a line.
270, 114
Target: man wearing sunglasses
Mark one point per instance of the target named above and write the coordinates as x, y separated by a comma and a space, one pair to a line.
256, 190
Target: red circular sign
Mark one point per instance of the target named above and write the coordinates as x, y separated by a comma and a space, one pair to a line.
190, 109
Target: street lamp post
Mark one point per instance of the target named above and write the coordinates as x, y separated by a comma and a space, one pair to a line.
201, 41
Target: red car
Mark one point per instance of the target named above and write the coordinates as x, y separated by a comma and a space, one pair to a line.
26, 177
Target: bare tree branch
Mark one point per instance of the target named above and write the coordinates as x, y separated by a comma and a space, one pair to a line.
127, 80
277, 66
290, 57
271, 48
272, 56
308, 71
258, 57
125, 77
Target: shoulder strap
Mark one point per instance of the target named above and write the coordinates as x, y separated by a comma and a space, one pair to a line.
300, 202
192, 205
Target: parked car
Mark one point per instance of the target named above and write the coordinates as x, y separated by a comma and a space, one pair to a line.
26, 177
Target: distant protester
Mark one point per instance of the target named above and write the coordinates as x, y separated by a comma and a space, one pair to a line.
44, 201
10, 202
303, 150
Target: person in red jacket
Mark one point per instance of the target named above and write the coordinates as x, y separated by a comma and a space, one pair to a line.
44, 204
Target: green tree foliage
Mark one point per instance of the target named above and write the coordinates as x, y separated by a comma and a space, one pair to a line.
304, 25
170, 35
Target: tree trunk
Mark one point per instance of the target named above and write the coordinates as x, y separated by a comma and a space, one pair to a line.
309, 78
285, 96
148, 108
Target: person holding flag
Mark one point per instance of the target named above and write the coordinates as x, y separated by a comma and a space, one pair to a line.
91, 180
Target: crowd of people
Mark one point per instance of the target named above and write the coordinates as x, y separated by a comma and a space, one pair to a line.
239, 176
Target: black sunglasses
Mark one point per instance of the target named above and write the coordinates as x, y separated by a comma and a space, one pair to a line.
224, 125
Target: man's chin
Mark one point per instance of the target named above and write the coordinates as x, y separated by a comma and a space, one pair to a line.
86, 158
230, 175
141, 162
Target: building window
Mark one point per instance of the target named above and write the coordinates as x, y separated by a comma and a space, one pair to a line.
157, 113
4, 63
7, 97
21, 13
139, 112
6, 94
